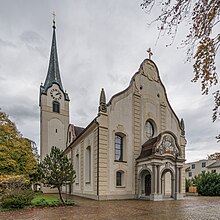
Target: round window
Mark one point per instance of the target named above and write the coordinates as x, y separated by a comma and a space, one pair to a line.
149, 129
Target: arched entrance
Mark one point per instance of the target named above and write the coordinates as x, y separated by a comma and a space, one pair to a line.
145, 183
167, 183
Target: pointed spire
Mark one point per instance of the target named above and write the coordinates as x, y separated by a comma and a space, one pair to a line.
102, 102
182, 126
53, 74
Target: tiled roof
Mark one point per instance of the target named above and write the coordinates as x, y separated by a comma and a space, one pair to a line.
78, 130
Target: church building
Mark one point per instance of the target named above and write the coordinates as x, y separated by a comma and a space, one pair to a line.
133, 149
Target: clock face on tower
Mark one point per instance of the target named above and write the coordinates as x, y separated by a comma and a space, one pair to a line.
56, 94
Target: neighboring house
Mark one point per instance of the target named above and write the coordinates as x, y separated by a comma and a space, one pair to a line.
134, 147
202, 166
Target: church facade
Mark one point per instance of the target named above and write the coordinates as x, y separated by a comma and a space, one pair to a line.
135, 146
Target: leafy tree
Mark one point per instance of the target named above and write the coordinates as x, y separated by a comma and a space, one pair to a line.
208, 184
203, 39
16, 155
56, 169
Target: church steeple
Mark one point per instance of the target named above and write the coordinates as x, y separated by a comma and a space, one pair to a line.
53, 74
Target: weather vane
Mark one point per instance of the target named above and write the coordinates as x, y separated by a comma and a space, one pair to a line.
150, 53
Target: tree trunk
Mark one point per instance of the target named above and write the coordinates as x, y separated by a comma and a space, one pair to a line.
60, 195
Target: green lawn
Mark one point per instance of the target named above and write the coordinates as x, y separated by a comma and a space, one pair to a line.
48, 200
45, 200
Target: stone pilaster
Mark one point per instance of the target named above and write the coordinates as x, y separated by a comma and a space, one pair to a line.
82, 166
102, 155
137, 134
162, 116
95, 159
158, 180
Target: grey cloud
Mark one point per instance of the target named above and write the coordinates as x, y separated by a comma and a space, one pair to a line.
5, 43
99, 45
34, 41
22, 112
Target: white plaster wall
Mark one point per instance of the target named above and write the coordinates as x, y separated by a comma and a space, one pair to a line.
120, 120
56, 135
80, 187
50, 120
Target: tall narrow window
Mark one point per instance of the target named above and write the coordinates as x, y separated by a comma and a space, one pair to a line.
56, 107
69, 136
77, 168
88, 165
118, 148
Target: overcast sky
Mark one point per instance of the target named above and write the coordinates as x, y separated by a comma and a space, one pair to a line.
100, 44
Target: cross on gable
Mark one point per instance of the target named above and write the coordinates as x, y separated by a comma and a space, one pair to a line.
150, 53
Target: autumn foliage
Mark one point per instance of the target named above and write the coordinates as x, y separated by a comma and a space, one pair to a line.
16, 155
202, 40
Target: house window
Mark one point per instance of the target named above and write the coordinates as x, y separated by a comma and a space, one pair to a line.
149, 129
56, 107
88, 165
203, 164
190, 174
193, 166
119, 178
213, 171
118, 148
203, 171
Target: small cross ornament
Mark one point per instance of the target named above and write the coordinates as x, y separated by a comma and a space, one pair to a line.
150, 53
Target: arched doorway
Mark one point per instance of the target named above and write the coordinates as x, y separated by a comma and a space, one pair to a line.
167, 183
145, 185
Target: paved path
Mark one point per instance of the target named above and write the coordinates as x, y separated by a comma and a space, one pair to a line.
191, 208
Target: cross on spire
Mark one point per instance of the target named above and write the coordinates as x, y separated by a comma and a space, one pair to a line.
150, 53
54, 21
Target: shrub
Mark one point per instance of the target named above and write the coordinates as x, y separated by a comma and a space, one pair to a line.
16, 198
13, 181
69, 202
187, 185
208, 184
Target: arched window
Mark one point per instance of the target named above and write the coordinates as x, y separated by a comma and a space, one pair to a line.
119, 178
56, 106
88, 165
149, 129
118, 147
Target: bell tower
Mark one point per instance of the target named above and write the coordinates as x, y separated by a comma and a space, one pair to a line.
54, 106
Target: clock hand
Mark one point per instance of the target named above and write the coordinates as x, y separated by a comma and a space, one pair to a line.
58, 93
